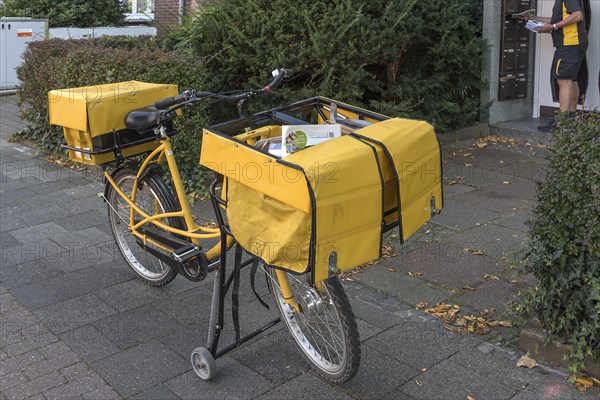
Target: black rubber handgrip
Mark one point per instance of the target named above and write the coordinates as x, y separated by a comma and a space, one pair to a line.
168, 102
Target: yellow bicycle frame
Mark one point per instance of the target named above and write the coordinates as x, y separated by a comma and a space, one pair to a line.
195, 233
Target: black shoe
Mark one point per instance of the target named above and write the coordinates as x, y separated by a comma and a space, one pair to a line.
546, 128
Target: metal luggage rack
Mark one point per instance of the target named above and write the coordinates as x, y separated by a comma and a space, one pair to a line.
118, 145
309, 111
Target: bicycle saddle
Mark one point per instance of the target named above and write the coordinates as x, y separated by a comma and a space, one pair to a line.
142, 118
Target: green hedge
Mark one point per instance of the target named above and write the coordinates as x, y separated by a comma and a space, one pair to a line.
55, 64
565, 239
399, 57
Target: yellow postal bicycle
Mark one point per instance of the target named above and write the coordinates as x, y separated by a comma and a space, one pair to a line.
303, 218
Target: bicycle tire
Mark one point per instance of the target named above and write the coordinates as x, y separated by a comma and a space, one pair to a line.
152, 187
328, 312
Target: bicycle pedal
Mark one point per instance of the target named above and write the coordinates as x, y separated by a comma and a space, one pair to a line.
185, 253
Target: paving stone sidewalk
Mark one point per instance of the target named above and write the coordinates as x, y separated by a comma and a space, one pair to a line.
76, 323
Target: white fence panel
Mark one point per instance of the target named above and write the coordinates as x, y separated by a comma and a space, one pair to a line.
86, 33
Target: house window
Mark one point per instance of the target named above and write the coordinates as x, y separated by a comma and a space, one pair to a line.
139, 10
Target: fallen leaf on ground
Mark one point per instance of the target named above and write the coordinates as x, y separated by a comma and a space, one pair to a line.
415, 273
467, 165
210, 224
489, 277
469, 397
388, 251
584, 382
506, 182
526, 361
421, 305
418, 382
449, 314
504, 324
498, 139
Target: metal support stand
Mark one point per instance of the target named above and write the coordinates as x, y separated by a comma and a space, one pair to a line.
223, 283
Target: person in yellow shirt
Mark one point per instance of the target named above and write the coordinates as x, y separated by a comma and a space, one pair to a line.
570, 38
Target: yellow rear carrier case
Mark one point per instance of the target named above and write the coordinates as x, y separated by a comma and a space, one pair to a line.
325, 208
93, 119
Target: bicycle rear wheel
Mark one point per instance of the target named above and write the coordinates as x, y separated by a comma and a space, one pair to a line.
325, 330
153, 197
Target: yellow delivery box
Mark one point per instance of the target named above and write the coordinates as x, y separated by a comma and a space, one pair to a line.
93, 118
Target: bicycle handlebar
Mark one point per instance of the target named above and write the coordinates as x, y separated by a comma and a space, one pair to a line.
171, 101
193, 96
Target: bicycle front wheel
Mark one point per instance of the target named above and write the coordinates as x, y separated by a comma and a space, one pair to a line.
325, 329
153, 197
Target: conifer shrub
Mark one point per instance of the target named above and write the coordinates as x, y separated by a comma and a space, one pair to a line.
403, 57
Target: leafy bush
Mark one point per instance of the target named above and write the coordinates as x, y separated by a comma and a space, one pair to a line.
565, 244
56, 63
67, 13
400, 57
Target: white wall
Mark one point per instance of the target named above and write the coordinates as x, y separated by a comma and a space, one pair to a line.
85, 33
545, 53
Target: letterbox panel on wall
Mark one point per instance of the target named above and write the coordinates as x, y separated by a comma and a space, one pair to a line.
511, 31
525, 5
509, 60
507, 87
511, 6
523, 34
521, 86
522, 56
515, 50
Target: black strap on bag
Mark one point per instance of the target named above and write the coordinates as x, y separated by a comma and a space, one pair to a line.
253, 271
235, 293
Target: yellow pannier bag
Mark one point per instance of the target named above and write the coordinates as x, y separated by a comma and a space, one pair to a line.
91, 115
338, 197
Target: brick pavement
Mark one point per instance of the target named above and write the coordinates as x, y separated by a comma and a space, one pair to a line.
76, 323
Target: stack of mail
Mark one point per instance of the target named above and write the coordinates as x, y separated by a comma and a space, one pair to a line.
534, 26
